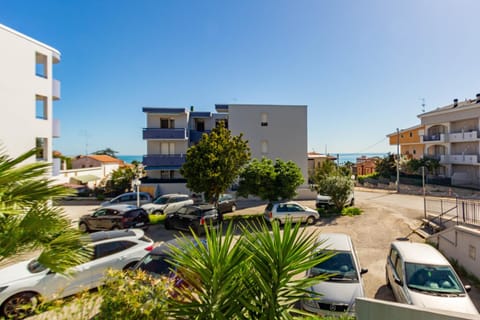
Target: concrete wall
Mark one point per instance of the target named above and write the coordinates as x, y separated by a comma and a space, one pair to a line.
19, 85
462, 244
371, 309
285, 133
65, 175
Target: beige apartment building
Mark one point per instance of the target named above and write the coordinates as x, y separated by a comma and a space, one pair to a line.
451, 134
27, 93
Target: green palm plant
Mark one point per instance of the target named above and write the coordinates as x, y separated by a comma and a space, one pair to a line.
256, 275
29, 222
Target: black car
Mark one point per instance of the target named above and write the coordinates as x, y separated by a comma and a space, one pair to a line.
226, 203
121, 216
194, 217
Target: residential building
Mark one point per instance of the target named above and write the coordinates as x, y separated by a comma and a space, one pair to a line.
315, 160
365, 165
451, 136
27, 92
409, 141
171, 131
107, 163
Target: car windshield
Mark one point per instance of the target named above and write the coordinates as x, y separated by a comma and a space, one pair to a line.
339, 267
161, 200
35, 267
433, 279
155, 264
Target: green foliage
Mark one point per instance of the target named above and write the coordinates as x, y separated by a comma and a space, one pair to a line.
373, 175
270, 181
135, 296
107, 152
325, 169
386, 167
415, 165
27, 219
338, 188
351, 211
120, 180
214, 163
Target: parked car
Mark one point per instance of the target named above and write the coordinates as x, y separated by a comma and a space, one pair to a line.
168, 203
226, 203
324, 201
290, 210
120, 216
26, 281
420, 275
337, 294
194, 217
129, 198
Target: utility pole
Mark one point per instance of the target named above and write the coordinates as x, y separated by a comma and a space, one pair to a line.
398, 161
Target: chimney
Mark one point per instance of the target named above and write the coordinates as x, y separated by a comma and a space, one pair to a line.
455, 102
478, 97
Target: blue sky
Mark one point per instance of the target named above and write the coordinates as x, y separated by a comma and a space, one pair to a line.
362, 67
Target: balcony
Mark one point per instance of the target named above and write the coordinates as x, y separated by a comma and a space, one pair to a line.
434, 138
172, 161
165, 134
195, 135
459, 159
463, 136
56, 89
55, 128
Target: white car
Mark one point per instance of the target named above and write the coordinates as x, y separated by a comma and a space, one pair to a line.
323, 201
291, 211
168, 203
24, 282
337, 294
420, 275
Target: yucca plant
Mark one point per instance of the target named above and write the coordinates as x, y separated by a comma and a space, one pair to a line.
29, 222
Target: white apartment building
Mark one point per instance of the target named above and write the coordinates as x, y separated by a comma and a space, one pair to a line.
272, 131
27, 92
452, 136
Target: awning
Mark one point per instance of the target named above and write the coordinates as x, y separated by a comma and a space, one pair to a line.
85, 178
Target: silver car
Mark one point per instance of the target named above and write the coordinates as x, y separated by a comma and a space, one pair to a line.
420, 275
291, 211
129, 198
337, 294
168, 203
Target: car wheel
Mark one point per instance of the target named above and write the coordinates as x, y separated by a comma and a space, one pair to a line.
157, 212
130, 266
83, 227
234, 207
352, 203
19, 305
311, 220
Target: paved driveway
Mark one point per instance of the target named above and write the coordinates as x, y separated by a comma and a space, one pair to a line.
387, 216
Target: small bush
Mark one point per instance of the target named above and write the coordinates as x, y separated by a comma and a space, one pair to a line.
351, 211
156, 218
361, 179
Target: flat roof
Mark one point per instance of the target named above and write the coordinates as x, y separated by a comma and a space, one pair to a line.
21, 35
164, 110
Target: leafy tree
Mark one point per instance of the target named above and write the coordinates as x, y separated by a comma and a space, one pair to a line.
120, 180
214, 163
386, 167
106, 151
338, 188
29, 222
270, 181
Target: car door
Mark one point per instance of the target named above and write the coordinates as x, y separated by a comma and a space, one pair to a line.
282, 213
98, 219
176, 218
396, 275
296, 213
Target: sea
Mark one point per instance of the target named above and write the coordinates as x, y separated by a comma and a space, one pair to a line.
341, 157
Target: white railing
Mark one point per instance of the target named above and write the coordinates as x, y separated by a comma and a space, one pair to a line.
56, 92
459, 159
463, 136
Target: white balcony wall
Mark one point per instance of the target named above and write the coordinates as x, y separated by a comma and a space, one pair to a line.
463, 136
459, 159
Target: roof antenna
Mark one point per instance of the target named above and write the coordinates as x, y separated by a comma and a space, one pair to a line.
423, 105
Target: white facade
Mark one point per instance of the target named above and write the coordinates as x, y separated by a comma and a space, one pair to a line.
27, 92
273, 131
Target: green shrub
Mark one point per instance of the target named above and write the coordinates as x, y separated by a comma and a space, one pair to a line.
351, 211
156, 218
375, 175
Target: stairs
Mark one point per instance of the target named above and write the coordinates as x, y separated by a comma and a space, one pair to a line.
428, 228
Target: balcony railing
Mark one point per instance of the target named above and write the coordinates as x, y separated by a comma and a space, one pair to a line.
433, 138
56, 90
459, 159
195, 135
168, 134
163, 160
55, 128
463, 136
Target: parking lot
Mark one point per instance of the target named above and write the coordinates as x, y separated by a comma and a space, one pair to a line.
386, 217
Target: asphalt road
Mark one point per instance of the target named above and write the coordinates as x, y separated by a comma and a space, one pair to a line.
386, 216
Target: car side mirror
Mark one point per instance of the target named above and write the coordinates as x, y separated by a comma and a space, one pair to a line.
363, 271
398, 281
468, 287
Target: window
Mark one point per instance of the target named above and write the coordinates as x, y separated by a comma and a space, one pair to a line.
264, 147
106, 249
414, 151
41, 146
264, 119
411, 134
41, 107
41, 69
200, 125
167, 123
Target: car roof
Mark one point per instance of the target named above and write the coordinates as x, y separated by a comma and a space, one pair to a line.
335, 241
419, 253
202, 206
104, 235
132, 193
121, 207
174, 195
286, 202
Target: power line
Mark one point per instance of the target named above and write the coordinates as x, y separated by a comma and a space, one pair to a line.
373, 145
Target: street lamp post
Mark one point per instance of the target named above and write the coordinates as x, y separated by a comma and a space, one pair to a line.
398, 161
137, 182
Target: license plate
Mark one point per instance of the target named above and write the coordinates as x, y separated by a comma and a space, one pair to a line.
139, 224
